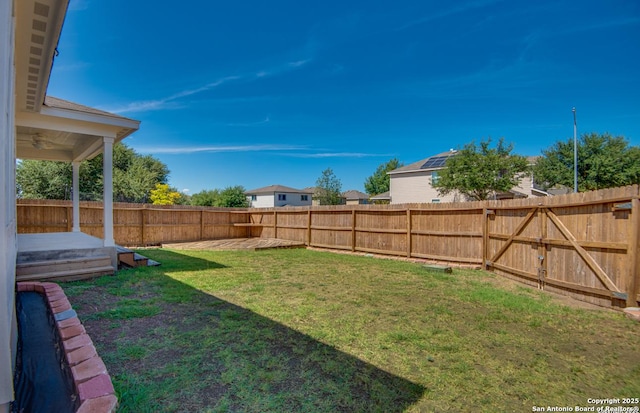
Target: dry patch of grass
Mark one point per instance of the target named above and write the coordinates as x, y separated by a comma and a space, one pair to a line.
299, 330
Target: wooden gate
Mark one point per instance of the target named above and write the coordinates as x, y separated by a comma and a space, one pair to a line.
552, 247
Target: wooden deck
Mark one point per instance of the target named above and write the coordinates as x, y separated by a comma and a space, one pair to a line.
251, 244
57, 241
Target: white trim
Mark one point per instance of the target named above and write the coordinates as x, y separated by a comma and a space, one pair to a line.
8, 239
84, 127
90, 117
75, 165
107, 173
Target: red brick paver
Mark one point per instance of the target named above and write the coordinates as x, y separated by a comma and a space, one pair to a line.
69, 332
103, 404
60, 306
81, 354
69, 322
95, 387
88, 369
77, 342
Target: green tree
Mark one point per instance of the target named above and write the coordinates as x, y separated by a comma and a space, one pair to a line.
134, 176
233, 197
43, 179
230, 197
206, 198
328, 188
379, 181
479, 172
604, 161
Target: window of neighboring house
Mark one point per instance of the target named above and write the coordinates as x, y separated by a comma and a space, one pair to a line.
436, 200
254, 197
434, 177
282, 197
304, 197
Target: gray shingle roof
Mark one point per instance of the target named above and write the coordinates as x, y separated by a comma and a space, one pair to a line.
353, 194
423, 164
271, 189
382, 197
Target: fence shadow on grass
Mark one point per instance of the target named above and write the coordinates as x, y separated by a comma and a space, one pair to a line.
212, 355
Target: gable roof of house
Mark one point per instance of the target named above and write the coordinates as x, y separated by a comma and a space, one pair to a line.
353, 194
385, 196
431, 163
272, 189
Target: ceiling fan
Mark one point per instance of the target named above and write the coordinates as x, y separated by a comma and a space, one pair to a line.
39, 141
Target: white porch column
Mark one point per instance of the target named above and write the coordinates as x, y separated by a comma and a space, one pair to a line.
107, 174
76, 196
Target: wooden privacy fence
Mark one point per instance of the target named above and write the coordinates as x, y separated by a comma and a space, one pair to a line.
134, 224
584, 245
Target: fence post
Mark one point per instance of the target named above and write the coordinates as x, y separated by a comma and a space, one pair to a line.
309, 227
142, 222
408, 232
542, 248
633, 283
201, 224
70, 219
275, 224
485, 238
353, 230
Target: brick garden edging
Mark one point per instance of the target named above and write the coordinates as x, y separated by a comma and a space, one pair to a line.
91, 379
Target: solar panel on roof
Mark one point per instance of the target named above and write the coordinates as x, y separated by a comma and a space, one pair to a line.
435, 162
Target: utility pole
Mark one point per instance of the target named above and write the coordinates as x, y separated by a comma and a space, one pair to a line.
575, 152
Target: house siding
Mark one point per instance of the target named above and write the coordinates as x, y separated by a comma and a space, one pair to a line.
271, 200
263, 201
8, 240
415, 187
526, 186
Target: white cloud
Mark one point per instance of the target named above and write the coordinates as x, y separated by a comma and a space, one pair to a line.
299, 63
456, 9
172, 101
267, 119
180, 150
336, 155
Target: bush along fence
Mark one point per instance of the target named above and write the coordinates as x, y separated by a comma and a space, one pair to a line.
584, 245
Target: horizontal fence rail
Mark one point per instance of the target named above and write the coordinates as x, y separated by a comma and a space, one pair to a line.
584, 245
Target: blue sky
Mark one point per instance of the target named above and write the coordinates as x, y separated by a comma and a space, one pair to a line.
256, 93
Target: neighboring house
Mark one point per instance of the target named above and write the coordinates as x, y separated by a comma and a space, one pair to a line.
383, 198
277, 196
353, 197
526, 188
414, 183
312, 190
35, 126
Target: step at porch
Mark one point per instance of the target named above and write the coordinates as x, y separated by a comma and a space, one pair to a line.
131, 259
64, 269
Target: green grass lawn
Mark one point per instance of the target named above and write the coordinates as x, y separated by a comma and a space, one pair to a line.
309, 331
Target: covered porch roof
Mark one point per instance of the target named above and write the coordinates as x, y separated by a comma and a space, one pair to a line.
67, 131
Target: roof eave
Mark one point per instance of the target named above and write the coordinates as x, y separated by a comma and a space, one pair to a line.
37, 35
